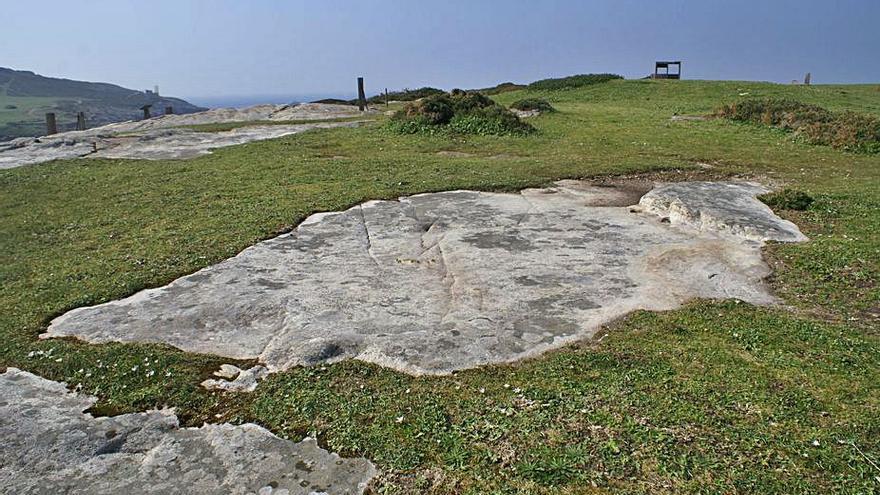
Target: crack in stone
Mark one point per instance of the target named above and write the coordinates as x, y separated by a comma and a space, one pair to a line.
528, 211
369, 238
450, 285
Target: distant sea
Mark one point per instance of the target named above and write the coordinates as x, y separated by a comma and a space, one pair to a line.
251, 100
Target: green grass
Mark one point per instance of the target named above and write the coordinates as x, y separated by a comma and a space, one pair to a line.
29, 113
716, 397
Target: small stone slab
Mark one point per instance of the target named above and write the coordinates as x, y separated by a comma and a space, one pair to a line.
51, 446
440, 282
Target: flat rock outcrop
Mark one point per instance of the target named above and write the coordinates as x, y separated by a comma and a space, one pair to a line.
50, 446
166, 137
440, 282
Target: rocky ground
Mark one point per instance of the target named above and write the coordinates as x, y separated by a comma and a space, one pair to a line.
168, 137
435, 283
52, 445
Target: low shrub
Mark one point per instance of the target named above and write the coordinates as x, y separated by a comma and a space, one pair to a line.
577, 81
490, 121
787, 199
405, 95
533, 104
335, 101
466, 112
502, 88
848, 130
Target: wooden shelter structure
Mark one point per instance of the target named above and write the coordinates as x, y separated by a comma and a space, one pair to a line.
661, 70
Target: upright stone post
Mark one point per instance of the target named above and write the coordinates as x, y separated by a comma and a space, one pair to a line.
81, 121
146, 109
386, 97
169, 110
807, 79
51, 125
362, 97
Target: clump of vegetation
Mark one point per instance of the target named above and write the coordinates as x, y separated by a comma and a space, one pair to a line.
787, 199
335, 101
533, 104
848, 130
405, 95
502, 88
577, 81
466, 112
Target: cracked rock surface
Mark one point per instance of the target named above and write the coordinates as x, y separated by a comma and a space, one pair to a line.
439, 282
50, 446
162, 137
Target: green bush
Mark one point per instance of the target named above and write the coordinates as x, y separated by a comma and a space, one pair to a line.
787, 199
405, 95
490, 121
502, 88
465, 112
849, 130
533, 104
577, 81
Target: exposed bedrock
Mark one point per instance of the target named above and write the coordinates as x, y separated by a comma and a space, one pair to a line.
165, 137
439, 282
50, 446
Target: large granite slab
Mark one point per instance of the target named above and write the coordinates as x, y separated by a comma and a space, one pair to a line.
447, 281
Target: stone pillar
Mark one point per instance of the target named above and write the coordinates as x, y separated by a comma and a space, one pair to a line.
362, 97
51, 125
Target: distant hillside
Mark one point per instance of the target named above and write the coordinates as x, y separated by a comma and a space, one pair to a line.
26, 97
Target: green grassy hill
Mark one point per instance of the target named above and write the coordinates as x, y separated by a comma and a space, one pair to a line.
717, 397
25, 98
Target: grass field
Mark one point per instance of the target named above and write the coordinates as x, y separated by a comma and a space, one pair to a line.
718, 397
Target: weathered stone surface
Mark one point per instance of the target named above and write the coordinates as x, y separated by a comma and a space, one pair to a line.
50, 446
233, 378
720, 208
162, 138
440, 282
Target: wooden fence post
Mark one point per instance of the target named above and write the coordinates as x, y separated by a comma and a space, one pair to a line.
362, 97
51, 125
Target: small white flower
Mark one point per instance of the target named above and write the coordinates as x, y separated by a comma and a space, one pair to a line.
398, 419
816, 443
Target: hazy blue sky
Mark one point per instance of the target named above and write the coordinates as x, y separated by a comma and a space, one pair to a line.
210, 48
